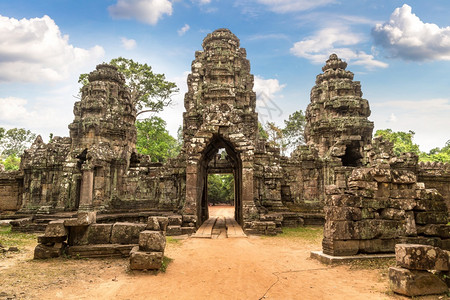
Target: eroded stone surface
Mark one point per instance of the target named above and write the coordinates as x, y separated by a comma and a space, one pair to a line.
421, 257
415, 283
152, 241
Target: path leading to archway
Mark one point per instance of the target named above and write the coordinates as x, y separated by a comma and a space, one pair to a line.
221, 224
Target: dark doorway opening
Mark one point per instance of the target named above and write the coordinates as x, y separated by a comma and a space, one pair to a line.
220, 180
352, 156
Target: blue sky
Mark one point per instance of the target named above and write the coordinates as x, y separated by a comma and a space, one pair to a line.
400, 51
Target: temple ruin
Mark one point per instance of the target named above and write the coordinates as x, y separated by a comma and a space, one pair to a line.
368, 198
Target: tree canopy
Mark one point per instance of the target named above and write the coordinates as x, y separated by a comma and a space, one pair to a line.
403, 142
221, 188
12, 144
150, 92
289, 137
153, 139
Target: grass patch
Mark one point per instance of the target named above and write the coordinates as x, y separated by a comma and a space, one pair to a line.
309, 233
165, 264
9, 238
171, 240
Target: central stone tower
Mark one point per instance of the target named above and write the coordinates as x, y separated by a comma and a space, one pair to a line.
220, 113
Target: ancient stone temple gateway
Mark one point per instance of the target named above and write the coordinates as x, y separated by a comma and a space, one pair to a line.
357, 180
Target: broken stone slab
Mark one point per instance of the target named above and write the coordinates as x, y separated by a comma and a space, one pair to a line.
50, 240
84, 218
152, 241
56, 229
421, 257
415, 283
21, 222
43, 251
140, 260
126, 233
153, 224
174, 230
431, 217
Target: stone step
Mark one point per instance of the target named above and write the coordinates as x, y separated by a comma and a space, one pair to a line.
102, 250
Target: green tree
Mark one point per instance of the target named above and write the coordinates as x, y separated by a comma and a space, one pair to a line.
294, 129
150, 92
153, 139
221, 188
12, 162
276, 136
402, 140
437, 154
15, 141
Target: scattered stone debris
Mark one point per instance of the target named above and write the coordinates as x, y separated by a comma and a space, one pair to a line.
419, 270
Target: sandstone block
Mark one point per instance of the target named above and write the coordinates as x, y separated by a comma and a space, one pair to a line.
337, 213
152, 241
56, 229
175, 220
188, 230
153, 224
173, 230
43, 251
439, 230
377, 245
84, 218
189, 219
145, 260
432, 217
49, 240
126, 233
163, 223
340, 248
421, 257
99, 233
415, 283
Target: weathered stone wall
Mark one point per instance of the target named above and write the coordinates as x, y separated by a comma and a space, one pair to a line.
383, 205
10, 190
436, 175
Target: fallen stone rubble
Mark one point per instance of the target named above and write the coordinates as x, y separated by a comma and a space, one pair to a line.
421, 270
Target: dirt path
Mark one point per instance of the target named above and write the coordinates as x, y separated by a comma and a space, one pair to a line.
228, 269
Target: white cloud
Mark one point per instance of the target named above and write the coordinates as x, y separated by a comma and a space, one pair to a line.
35, 50
128, 44
285, 6
337, 40
44, 116
146, 11
266, 95
406, 36
183, 29
427, 118
201, 2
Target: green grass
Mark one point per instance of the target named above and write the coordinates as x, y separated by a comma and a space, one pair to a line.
17, 239
171, 240
310, 233
165, 263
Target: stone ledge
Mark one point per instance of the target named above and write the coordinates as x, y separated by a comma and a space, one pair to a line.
335, 260
104, 250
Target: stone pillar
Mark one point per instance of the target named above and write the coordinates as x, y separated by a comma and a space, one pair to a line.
87, 187
248, 204
192, 190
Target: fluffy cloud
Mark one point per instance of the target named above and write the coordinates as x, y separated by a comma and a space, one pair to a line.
266, 93
406, 36
35, 50
183, 29
128, 44
337, 40
146, 11
285, 6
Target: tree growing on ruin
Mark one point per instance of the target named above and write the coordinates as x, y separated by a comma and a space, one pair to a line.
150, 92
402, 140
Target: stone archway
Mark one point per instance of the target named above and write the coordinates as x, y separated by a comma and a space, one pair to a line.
216, 143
